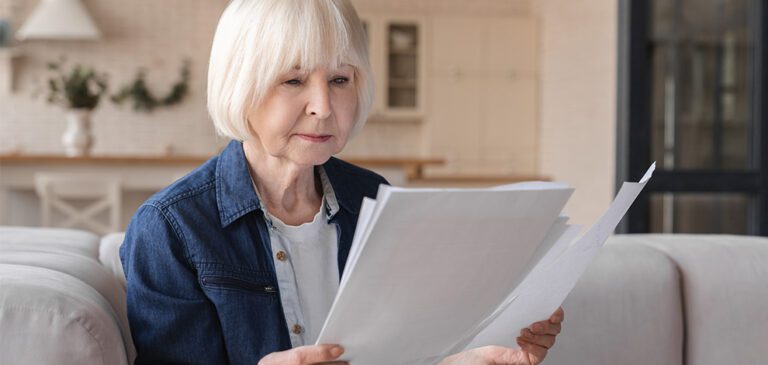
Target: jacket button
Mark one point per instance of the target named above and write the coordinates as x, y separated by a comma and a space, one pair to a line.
297, 329
280, 255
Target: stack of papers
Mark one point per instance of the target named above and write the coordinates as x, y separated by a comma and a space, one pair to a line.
432, 272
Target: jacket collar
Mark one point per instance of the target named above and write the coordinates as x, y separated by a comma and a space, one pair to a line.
236, 197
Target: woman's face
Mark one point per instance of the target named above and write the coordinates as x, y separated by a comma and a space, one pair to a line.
307, 116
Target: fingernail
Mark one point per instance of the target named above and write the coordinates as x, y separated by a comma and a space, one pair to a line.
337, 351
527, 334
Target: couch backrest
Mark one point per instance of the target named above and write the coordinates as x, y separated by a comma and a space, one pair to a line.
90, 272
626, 309
109, 255
49, 240
725, 291
49, 317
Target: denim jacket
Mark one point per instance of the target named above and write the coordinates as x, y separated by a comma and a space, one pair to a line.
201, 281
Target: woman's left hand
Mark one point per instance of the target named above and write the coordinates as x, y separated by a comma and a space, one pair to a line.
534, 341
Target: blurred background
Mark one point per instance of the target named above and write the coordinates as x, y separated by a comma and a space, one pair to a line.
102, 103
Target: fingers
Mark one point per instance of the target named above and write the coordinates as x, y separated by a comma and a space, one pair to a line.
304, 355
537, 339
546, 328
546, 341
535, 353
558, 316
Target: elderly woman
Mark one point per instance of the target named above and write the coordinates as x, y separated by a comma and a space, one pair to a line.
239, 261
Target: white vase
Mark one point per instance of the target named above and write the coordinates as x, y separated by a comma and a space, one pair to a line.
77, 137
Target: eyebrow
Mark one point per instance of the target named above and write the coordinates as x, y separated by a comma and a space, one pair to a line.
298, 68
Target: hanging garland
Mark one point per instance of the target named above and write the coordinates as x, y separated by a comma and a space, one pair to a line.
144, 101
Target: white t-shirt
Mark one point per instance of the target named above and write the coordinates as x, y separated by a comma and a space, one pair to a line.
306, 265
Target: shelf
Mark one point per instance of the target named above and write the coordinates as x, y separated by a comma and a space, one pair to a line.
402, 83
396, 116
403, 52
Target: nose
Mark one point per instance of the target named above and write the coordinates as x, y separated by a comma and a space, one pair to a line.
319, 104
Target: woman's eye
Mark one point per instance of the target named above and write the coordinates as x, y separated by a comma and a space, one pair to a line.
293, 82
340, 80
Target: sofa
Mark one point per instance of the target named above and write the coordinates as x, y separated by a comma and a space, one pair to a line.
646, 299
59, 303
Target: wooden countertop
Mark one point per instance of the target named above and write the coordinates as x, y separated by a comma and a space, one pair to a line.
138, 159
17, 159
412, 166
498, 179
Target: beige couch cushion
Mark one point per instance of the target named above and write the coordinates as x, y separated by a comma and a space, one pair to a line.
626, 309
48, 317
109, 255
49, 240
726, 295
89, 271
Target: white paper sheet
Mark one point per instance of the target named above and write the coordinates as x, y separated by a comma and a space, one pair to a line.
432, 263
485, 329
363, 219
547, 286
432, 271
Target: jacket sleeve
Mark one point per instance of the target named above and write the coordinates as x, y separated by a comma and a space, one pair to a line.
171, 319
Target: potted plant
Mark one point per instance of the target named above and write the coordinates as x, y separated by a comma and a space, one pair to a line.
78, 89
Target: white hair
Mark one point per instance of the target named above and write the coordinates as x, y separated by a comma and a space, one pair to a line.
256, 41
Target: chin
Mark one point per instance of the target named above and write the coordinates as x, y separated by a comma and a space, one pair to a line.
320, 160
315, 156
314, 159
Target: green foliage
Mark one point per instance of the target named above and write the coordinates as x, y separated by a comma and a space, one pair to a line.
78, 88
144, 100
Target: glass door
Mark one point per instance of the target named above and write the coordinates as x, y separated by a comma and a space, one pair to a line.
693, 80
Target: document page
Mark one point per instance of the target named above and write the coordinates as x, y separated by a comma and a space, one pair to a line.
432, 272
431, 263
547, 286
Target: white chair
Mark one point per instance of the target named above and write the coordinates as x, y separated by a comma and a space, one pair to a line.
61, 192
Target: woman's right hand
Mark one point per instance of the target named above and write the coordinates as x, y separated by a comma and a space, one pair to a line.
306, 355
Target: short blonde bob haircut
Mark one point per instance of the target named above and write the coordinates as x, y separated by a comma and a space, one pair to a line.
256, 41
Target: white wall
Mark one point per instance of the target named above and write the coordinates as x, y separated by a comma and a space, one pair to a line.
156, 35
578, 100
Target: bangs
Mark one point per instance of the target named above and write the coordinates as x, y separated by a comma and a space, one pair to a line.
312, 34
325, 37
258, 41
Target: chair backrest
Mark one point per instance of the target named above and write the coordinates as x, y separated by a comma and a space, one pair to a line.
59, 193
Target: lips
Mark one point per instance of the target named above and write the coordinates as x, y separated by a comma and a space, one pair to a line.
314, 137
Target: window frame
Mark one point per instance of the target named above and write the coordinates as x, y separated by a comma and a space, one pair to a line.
633, 139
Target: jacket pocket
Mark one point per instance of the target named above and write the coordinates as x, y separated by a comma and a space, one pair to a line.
232, 283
